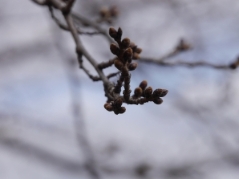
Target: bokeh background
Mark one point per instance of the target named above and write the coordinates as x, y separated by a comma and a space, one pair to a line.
193, 134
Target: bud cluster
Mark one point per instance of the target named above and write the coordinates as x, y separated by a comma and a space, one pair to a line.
125, 52
115, 106
108, 13
144, 94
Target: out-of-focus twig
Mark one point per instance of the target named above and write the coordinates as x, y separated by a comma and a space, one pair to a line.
65, 27
82, 20
187, 64
181, 47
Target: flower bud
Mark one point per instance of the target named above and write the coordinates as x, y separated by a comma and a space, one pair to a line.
132, 66
158, 101
164, 93
160, 92
128, 54
125, 42
119, 33
108, 107
157, 92
148, 92
138, 92
114, 49
138, 50
143, 84
113, 33
122, 110
118, 64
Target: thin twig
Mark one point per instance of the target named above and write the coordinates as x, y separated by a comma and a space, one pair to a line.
86, 21
187, 64
79, 123
65, 27
80, 50
106, 64
163, 58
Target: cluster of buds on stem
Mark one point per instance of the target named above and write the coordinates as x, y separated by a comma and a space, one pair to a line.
107, 14
125, 52
145, 94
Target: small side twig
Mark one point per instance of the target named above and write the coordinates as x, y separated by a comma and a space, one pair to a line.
195, 64
106, 64
82, 20
182, 46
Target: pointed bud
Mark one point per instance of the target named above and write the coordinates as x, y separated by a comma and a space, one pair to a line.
157, 93
112, 32
119, 33
148, 92
138, 50
125, 42
128, 54
108, 107
122, 110
118, 64
160, 92
114, 49
132, 66
138, 92
164, 93
158, 101
143, 84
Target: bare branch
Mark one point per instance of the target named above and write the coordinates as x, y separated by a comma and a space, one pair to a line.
80, 19
65, 27
80, 50
187, 64
182, 46
106, 64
